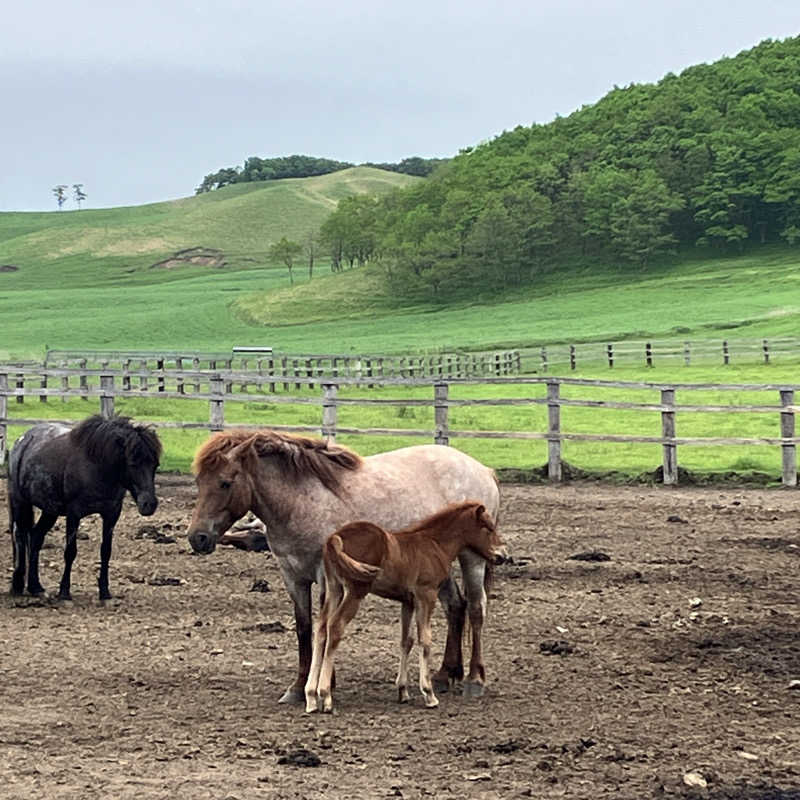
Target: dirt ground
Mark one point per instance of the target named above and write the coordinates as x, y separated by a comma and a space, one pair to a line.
670, 669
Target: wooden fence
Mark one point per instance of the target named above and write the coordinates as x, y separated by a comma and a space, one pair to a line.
294, 365
218, 388
660, 352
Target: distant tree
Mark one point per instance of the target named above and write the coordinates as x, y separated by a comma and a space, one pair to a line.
310, 246
286, 250
60, 194
78, 194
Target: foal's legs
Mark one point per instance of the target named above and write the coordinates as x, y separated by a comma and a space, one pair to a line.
424, 605
473, 569
337, 622
333, 597
36, 537
455, 607
406, 643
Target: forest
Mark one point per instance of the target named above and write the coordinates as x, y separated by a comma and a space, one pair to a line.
708, 158
297, 166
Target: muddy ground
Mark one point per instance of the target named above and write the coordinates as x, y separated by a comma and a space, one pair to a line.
670, 670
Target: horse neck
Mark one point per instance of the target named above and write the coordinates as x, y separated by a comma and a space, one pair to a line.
448, 537
274, 496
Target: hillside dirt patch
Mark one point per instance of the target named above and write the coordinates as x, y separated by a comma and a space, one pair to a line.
204, 256
642, 642
8, 268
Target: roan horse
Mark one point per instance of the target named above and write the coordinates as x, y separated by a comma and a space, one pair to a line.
408, 566
73, 473
304, 489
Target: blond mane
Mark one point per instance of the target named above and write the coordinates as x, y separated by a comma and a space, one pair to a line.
300, 455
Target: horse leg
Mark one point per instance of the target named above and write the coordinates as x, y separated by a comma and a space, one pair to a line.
406, 643
424, 605
337, 622
20, 522
70, 551
35, 540
105, 553
473, 569
455, 606
332, 598
300, 592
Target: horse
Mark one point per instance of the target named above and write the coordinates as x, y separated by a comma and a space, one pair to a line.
74, 472
304, 488
408, 566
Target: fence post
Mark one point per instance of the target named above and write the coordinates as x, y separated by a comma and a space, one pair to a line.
441, 434
64, 381
765, 348
3, 416
648, 354
553, 431
687, 354
610, 353
83, 384
329, 392
160, 367
216, 405
788, 450
543, 355
179, 365
21, 385
107, 400
43, 396
668, 432
726, 359
572, 363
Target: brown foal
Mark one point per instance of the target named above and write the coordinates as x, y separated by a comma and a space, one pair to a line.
408, 566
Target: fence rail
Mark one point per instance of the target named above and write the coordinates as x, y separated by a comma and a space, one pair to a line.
218, 388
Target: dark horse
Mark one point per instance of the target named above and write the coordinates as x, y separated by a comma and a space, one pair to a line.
73, 473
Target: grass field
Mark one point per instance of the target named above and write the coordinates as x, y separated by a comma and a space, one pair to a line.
85, 281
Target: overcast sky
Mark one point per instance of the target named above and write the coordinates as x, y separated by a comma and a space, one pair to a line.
138, 101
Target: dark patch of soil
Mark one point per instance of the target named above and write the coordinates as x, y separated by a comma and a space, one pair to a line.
8, 268
204, 256
684, 648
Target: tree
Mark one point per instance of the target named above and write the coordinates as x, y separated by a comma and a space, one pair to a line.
78, 194
285, 250
60, 194
310, 245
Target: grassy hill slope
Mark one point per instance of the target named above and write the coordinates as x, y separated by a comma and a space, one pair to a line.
101, 247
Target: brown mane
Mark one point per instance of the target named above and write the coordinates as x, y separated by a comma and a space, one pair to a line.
441, 518
300, 455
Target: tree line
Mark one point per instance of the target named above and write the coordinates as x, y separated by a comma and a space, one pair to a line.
708, 158
297, 166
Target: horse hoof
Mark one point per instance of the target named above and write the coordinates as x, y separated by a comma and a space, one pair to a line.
293, 696
473, 689
441, 683
432, 703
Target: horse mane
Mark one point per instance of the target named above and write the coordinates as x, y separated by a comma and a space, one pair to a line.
101, 439
210, 454
302, 456
443, 517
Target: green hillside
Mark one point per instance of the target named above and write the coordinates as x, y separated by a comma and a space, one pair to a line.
119, 245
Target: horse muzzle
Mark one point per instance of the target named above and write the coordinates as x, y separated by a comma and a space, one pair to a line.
203, 542
147, 505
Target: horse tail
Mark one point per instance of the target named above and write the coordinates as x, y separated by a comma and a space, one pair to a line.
347, 566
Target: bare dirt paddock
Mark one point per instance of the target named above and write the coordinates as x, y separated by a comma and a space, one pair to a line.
670, 670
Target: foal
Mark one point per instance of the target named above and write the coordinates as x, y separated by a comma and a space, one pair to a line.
408, 566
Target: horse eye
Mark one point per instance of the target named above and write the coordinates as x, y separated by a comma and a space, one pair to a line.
224, 484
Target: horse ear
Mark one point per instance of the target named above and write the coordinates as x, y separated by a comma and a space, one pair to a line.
241, 451
480, 511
